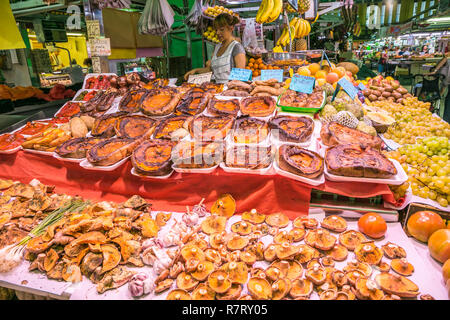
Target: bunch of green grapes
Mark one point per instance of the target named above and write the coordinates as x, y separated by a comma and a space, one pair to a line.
399, 191
429, 171
413, 119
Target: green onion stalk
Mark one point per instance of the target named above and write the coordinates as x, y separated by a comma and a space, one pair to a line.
11, 256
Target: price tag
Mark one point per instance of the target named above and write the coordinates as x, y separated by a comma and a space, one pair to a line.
362, 86
100, 47
348, 87
294, 4
200, 78
240, 74
302, 84
272, 74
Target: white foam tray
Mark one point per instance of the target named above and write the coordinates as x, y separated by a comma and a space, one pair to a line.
75, 160
45, 153
11, 151
398, 179
135, 173
313, 182
265, 171
195, 170
88, 166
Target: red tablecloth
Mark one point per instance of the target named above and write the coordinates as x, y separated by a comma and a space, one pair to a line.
265, 193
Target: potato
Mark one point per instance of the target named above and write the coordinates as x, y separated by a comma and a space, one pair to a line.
386, 94
388, 88
376, 92
373, 97
78, 128
396, 95
88, 121
402, 90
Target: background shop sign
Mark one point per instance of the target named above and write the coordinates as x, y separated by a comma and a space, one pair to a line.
100, 47
93, 28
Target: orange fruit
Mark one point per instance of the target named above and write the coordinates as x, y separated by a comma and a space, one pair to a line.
320, 82
303, 71
320, 74
313, 68
332, 77
252, 60
340, 71
250, 65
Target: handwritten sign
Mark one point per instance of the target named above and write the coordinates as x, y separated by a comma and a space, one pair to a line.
362, 86
348, 87
240, 74
93, 28
302, 84
272, 74
200, 78
100, 47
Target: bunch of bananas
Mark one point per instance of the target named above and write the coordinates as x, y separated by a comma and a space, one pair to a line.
299, 28
269, 11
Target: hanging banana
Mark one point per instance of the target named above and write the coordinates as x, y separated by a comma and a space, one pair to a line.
266, 14
276, 11
261, 10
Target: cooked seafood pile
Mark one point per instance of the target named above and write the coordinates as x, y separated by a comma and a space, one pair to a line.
192, 256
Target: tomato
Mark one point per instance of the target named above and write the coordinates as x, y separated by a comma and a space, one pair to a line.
69, 110
422, 224
439, 245
372, 225
10, 141
34, 127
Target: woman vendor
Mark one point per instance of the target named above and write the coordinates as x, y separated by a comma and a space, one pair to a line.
228, 54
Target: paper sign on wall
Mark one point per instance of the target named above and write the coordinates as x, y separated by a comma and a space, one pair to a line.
200, 78
240, 74
348, 87
96, 65
272, 74
93, 28
302, 84
100, 47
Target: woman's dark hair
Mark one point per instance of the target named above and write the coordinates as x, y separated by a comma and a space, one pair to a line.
225, 19
87, 62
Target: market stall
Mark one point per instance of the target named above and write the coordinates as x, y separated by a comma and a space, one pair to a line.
200, 187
